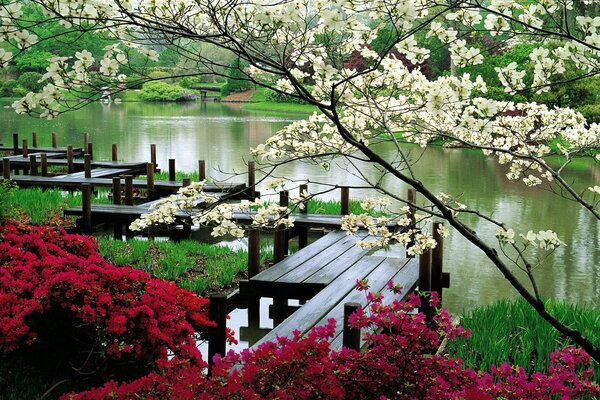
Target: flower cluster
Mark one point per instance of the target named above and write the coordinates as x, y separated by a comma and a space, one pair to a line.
201, 208
122, 315
399, 363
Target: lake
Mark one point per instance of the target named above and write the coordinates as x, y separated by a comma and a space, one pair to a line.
222, 134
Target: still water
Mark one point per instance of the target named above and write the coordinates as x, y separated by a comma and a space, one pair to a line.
222, 134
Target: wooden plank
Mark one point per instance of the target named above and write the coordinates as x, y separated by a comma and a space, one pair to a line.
407, 277
296, 259
162, 186
329, 303
19, 160
329, 264
305, 318
76, 151
96, 173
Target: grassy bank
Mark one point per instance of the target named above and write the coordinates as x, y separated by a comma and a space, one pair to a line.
42, 207
511, 331
259, 102
192, 265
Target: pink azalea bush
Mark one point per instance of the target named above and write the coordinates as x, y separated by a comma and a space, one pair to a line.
61, 301
400, 363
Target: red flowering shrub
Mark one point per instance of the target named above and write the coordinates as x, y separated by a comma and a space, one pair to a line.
397, 365
61, 301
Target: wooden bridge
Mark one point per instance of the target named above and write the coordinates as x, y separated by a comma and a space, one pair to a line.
323, 276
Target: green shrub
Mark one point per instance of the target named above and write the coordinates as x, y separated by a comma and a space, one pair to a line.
591, 112
33, 60
236, 81
19, 91
30, 81
7, 87
162, 91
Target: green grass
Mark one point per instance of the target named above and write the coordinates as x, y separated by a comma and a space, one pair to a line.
131, 95
179, 176
191, 265
38, 206
512, 332
258, 102
332, 207
268, 106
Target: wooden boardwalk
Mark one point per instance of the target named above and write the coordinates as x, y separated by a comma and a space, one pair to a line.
324, 273
75, 180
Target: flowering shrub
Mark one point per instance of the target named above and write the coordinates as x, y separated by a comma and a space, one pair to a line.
398, 364
60, 298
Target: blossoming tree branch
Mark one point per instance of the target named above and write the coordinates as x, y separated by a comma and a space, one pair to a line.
301, 48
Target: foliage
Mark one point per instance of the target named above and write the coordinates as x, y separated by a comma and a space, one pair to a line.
277, 97
7, 188
591, 112
30, 81
299, 48
44, 206
398, 364
162, 91
8, 87
237, 80
191, 265
35, 60
510, 331
518, 53
577, 94
64, 308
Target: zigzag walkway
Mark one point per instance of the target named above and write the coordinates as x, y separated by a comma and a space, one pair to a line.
325, 275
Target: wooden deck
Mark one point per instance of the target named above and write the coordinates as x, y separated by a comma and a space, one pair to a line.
75, 180
125, 213
325, 273
77, 151
54, 159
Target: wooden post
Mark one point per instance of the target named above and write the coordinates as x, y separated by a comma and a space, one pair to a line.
437, 261
303, 232
15, 144
303, 189
44, 164
171, 169
425, 271
425, 282
217, 313
116, 194
411, 198
70, 159
54, 140
253, 253
150, 181
34, 141
251, 180
32, 165
153, 156
128, 190
6, 168
86, 205
90, 150
25, 149
86, 140
280, 242
87, 165
114, 152
345, 201
350, 335
201, 170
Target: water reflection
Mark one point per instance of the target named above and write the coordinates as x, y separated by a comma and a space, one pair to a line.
222, 135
